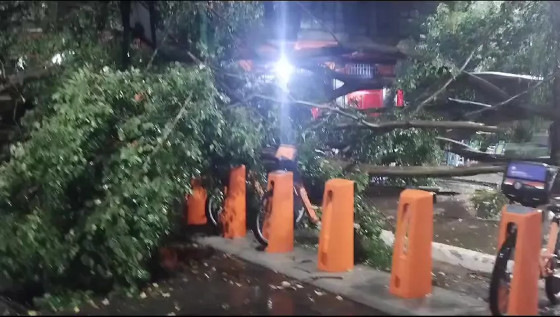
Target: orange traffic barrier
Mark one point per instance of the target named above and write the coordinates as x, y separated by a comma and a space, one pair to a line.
411, 273
234, 216
196, 204
336, 240
278, 225
524, 290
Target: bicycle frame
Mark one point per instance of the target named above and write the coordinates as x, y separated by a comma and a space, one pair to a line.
549, 251
288, 152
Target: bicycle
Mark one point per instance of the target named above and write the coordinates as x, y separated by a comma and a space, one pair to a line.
217, 195
531, 191
215, 205
284, 160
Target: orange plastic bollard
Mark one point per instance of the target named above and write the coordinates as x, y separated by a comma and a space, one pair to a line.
524, 291
234, 218
278, 225
196, 204
336, 240
411, 273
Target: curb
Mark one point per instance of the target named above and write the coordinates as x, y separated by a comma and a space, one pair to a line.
363, 284
469, 259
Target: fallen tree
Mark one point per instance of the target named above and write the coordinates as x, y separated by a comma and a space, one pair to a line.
427, 171
91, 188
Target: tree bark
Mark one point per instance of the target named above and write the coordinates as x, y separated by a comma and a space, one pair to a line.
474, 154
20, 78
422, 171
492, 91
468, 103
422, 124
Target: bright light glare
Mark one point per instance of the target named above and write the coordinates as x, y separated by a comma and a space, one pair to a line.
283, 70
57, 59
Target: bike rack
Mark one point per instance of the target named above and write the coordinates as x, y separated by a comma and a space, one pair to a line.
234, 216
195, 212
524, 290
279, 223
336, 240
411, 272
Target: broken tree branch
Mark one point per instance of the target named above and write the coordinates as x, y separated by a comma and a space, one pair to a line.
511, 100
390, 125
428, 171
485, 87
424, 124
20, 78
473, 154
469, 103
440, 90
501, 77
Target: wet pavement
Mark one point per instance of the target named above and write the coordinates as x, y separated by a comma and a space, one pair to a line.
207, 282
476, 284
455, 222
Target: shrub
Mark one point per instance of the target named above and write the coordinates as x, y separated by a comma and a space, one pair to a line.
488, 203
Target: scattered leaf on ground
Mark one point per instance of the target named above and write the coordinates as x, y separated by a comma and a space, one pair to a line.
92, 303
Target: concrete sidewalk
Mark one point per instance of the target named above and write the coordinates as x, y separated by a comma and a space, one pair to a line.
364, 285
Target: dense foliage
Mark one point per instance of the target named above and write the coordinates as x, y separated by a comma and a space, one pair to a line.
92, 185
88, 198
505, 36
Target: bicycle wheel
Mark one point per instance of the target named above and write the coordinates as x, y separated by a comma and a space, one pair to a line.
299, 208
500, 282
265, 208
214, 207
552, 282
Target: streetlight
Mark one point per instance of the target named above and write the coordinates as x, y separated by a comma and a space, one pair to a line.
283, 70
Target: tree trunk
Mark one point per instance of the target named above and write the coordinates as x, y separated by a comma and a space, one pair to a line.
420, 171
